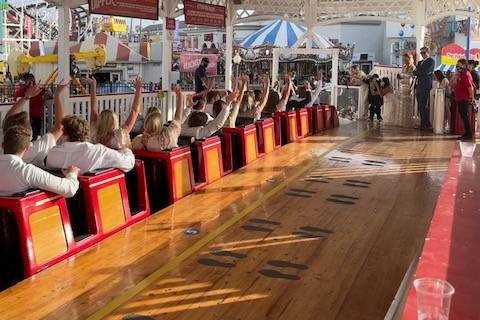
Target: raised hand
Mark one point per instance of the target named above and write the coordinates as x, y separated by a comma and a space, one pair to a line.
138, 84
33, 90
177, 89
61, 86
92, 81
232, 97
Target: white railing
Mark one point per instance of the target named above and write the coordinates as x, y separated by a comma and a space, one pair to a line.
121, 104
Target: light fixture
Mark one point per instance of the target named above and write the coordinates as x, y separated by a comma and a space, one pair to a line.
237, 59
267, 52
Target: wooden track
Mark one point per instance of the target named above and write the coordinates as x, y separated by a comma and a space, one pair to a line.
298, 234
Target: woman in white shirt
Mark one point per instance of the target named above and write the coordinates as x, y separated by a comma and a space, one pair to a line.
388, 101
198, 125
443, 83
156, 136
106, 128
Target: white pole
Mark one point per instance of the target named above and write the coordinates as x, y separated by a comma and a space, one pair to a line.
420, 22
228, 55
334, 79
275, 61
166, 57
64, 52
420, 38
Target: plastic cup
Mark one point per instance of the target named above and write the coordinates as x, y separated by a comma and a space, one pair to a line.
467, 149
433, 298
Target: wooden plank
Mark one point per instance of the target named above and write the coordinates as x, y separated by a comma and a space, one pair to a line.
303, 257
81, 286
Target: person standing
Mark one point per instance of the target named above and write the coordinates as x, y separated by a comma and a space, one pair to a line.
201, 75
404, 113
37, 104
464, 93
375, 98
424, 74
443, 83
358, 78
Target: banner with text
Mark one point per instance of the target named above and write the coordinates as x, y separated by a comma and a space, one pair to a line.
141, 9
452, 52
204, 14
189, 62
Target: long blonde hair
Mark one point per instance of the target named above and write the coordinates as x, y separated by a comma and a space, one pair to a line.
107, 124
152, 126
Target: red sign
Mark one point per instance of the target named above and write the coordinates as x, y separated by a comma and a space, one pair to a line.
170, 23
189, 62
208, 37
142, 9
204, 14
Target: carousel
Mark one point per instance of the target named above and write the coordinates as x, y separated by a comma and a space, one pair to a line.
256, 52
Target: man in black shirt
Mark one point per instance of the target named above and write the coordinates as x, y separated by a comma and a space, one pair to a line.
201, 76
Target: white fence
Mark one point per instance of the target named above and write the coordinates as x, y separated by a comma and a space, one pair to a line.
119, 103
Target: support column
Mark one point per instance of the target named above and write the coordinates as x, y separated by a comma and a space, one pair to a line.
166, 57
64, 52
229, 22
275, 61
334, 78
420, 39
420, 22
228, 55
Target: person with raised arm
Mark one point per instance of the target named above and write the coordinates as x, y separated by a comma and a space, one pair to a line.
198, 125
254, 112
18, 176
39, 148
107, 130
156, 136
236, 104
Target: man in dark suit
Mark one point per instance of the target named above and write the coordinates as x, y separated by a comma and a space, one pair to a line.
424, 74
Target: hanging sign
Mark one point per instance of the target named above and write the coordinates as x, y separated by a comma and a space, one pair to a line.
452, 52
189, 62
170, 23
141, 9
204, 14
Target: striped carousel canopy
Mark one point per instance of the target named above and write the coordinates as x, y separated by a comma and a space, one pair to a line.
446, 67
282, 34
450, 67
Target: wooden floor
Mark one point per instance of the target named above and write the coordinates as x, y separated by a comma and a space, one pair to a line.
320, 229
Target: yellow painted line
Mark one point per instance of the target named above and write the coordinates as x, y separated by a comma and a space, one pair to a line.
197, 246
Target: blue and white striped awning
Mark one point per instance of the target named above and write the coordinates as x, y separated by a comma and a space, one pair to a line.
446, 67
281, 34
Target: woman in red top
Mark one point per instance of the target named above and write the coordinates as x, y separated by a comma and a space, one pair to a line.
464, 94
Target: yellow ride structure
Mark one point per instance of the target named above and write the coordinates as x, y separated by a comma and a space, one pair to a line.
20, 62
